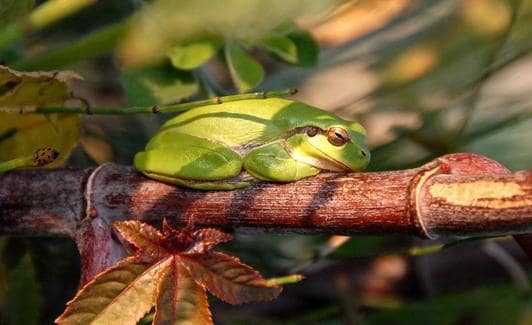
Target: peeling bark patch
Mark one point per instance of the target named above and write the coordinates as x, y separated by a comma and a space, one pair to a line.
484, 194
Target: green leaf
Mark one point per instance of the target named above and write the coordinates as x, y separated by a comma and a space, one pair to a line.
507, 145
165, 23
493, 304
190, 55
9, 55
22, 300
307, 48
162, 84
282, 48
10, 10
245, 71
361, 246
296, 48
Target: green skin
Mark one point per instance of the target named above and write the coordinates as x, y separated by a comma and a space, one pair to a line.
212, 147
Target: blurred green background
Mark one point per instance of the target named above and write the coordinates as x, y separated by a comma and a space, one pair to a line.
425, 78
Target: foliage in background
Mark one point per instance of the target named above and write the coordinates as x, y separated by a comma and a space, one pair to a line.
425, 77
188, 34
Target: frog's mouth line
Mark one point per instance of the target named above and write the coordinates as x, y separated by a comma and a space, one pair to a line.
329, 163
332, 164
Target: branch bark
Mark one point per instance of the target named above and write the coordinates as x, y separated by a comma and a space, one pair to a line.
454, 195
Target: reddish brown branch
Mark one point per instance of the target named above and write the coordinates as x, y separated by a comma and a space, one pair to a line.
459, 194
42, 202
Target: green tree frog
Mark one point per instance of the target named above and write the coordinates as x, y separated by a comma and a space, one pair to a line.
234, 144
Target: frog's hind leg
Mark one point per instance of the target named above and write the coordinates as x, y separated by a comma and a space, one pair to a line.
273, 163
190, 161
240, 181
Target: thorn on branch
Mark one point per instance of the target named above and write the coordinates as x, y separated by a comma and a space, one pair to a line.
84, 102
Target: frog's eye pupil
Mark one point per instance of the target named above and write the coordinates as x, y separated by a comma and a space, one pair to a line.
337, 136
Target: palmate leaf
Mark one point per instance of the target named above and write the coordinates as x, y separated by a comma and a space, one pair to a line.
181, 300
207, 238
144, 237
229, 279
171, 270
121, 294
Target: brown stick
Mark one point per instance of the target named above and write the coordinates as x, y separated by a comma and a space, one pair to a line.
458, 194
42, 202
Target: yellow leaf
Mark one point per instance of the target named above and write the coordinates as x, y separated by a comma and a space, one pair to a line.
27, 90
21, 135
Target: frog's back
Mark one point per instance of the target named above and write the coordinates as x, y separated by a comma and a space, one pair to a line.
246, 122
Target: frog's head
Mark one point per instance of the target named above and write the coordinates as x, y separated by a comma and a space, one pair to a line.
337, 147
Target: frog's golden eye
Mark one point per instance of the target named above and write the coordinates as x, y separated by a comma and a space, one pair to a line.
337, 136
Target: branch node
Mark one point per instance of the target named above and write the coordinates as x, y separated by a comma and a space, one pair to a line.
414, 209
84, 102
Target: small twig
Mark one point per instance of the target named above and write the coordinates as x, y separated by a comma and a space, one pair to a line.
161, 109
508, 262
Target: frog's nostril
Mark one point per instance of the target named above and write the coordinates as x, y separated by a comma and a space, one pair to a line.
363, 153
